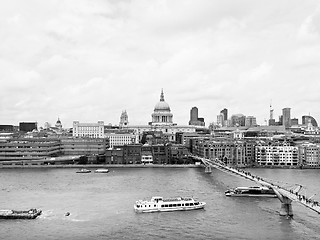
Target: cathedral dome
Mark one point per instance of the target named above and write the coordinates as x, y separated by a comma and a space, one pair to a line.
162, 105
162, 113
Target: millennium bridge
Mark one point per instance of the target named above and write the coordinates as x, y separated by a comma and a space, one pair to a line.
284, 194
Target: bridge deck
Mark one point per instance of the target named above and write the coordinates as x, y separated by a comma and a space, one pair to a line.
288, 193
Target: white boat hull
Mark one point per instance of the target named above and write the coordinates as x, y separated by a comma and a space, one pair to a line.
101, 171
167, 206
251, 195
251, 192
168, 210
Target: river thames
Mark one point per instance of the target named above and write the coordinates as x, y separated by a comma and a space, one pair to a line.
101, 205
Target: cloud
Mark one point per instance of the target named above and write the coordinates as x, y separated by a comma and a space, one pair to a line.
89, 60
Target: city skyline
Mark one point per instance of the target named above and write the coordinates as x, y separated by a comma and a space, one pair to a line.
89, 61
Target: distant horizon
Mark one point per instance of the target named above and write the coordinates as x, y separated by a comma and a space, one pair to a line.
147, 123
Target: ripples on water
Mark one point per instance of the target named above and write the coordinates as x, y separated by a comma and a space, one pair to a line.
101, 205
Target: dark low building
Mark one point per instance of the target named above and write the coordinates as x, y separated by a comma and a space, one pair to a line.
114, 156
179, 154
27, 126
6, 128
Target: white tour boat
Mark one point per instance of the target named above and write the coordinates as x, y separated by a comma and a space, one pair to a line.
255, 191
101, 170
160, 204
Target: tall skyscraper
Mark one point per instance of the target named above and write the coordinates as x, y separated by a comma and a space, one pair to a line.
224, 112
194, 119
286, 117
193, 114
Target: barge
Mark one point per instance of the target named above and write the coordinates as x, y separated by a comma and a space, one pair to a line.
15, 214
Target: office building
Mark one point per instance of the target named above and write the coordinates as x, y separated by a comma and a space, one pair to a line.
286, 117
194, 119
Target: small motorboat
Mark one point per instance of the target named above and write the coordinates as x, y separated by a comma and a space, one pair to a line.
83, 170
101, 170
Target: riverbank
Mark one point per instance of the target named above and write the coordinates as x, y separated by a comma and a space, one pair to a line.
103, 166
138, 166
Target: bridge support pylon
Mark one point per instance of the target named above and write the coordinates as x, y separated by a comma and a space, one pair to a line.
286, 207
208, 169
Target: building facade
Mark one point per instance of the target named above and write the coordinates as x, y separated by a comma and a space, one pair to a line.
120, 138
83, 146
309, 154
238, 120
276, 154
232, 152
26, 149
250, 121
88, 130
306, 119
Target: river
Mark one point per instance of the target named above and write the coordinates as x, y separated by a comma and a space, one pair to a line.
101, 205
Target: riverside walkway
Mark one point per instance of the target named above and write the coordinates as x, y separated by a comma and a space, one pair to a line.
285, 195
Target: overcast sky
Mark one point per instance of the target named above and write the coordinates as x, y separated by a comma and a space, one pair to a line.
89, 60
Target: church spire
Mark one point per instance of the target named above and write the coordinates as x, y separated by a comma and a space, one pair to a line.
162, 96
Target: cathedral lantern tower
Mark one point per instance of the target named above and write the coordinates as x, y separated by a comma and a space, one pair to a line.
162, 114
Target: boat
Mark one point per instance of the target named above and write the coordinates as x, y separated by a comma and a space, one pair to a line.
14, 214
160, 204
83, 170
255, 191
101, 170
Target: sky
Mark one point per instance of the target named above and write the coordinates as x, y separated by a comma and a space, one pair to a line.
89, 60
